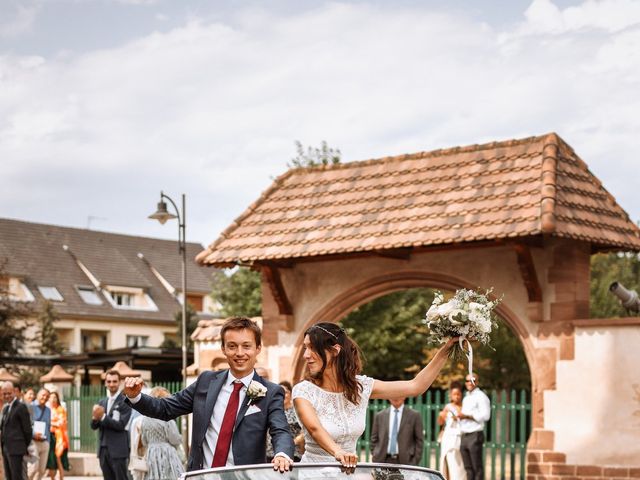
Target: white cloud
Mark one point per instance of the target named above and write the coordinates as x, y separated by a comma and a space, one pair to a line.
544, 17
212, 109
17, 18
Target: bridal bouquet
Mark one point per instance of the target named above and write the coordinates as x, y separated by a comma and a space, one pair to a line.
467, 315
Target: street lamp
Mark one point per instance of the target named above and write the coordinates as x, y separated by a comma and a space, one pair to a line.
162, 215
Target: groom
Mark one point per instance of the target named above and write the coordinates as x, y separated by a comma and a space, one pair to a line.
232, 409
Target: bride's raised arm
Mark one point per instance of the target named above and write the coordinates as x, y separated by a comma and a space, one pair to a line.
420, 383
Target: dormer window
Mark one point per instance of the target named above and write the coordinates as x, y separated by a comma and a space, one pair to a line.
122, 299
89, 295
16, 290
128, 298
51, 293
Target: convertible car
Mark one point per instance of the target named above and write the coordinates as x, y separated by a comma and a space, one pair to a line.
316, 471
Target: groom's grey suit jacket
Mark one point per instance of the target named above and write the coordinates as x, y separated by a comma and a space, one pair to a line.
249, 435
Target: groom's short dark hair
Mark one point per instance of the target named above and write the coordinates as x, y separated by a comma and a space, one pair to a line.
241, 323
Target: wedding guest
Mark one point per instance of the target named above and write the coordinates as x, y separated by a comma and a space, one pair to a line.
451, 464
397, 435
58, 452
110, 417
475, 412
161, 440
29, 395
15, 434
41, 426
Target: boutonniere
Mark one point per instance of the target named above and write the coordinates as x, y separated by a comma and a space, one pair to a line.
255, 391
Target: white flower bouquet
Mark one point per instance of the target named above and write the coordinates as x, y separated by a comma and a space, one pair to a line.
467, 315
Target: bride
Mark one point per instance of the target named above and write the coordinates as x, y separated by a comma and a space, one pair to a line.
332, 407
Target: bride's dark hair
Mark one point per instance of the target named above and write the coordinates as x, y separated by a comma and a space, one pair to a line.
323, 336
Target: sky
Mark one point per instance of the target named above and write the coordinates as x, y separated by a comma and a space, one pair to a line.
104, 103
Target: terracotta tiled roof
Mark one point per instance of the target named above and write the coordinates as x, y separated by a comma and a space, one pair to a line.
499, 190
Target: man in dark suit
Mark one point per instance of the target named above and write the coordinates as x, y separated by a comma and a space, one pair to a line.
16, 433
397, 435
110, 417
232, 409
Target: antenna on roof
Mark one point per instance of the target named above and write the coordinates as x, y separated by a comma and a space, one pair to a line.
90, 218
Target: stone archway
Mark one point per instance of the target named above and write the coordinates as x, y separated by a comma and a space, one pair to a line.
337, 308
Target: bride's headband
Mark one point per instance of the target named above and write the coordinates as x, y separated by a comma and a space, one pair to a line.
326, 331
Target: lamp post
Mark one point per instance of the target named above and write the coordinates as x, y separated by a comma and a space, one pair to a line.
162, 215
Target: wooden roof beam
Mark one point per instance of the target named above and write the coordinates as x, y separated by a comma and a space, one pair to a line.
528, 271
271, 274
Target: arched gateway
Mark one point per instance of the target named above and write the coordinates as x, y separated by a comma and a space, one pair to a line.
521, 216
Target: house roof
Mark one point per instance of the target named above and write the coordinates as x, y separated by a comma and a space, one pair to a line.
500, 190
35, 253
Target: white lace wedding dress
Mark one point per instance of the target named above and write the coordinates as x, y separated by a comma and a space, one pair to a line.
343, 420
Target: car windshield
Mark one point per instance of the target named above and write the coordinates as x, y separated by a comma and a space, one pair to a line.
317, 471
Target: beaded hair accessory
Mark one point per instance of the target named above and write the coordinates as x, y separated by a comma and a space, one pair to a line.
326, 331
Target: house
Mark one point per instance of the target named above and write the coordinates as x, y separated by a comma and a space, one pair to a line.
111, 291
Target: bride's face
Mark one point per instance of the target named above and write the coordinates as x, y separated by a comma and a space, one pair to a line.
314, 361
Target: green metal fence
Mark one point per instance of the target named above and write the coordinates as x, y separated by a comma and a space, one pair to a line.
506, 433
80, 402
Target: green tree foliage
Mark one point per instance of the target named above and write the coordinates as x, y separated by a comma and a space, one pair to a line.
12, 339
238, 293
606, 269
192, 323
47, 338
395, 344
313, 157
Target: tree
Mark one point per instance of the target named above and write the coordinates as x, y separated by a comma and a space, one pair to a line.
314, 157
606, 269
239, 293
11, 339
47, 338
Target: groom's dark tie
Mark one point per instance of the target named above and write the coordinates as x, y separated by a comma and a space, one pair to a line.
226, 430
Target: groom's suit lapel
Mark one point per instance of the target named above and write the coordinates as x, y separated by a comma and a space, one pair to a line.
245, 403
212, 393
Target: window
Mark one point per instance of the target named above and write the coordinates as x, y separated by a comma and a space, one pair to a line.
51, 293
129, 298
122, 299
89, 295
93, 341
137, 340
15, 290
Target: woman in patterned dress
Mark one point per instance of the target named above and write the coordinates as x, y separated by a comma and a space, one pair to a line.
332, 406
161, 440
59, 443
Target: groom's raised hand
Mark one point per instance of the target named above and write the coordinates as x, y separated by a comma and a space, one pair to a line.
132, 386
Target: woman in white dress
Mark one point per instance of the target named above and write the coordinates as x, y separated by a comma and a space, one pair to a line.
332, 407
451, 464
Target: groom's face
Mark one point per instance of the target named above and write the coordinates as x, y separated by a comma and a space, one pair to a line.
241, 351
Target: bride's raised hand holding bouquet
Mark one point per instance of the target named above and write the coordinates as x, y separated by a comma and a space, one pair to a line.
468, 315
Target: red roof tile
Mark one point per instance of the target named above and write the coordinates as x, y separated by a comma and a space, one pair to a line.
499, 190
